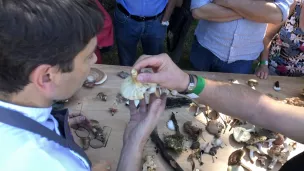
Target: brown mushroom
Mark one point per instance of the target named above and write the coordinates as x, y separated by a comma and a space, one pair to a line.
214, 127
279, 140
262, 160
235, 161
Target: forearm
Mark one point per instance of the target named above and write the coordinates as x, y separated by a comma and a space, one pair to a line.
130, 157
169, 9
213, 12
259, 11
244, 103
265, 52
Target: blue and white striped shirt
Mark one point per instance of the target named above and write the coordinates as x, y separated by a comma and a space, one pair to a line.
240, 39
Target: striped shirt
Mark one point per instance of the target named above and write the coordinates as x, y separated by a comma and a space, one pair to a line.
240, 39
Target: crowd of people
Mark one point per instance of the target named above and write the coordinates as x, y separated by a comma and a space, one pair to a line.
47, 49
231, 36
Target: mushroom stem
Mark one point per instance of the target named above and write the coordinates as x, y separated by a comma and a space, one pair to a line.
251, 156
273, 163
260, 149
270, 141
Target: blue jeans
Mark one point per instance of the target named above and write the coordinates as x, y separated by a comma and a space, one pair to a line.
129, 32
203, 59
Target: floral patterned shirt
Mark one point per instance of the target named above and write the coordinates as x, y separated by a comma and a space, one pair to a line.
286, 53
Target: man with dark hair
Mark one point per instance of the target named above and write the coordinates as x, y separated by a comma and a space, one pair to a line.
46, 50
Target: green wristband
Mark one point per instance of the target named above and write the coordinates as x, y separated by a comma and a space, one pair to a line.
200, 85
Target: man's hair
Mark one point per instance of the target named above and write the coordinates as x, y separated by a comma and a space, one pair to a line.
36, 32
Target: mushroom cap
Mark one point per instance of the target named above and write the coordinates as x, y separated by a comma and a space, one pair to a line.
279, 140
236, 157
240, 134
133, 90
214, 127
274, 151
252, 148
252, 82
256, 139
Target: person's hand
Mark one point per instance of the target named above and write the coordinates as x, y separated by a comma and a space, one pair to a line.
143, 120
262, 72
77, 118
166, 73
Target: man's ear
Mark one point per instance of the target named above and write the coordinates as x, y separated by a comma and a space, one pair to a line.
43, 78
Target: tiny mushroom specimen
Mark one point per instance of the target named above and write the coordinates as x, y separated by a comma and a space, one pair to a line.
262, 160
133, 90
102, 96
235, 162
217, 142
123, 74
149, 164
90, 82
170, 125
252, 83
214, 127
113, 111
276, 154
276, 86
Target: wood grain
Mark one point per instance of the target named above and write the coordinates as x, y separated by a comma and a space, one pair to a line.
85, 101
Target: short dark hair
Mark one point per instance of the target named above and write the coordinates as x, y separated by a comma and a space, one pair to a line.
36, 32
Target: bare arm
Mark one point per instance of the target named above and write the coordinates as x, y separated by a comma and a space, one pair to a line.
255, 108
169, 9
259, 11
130, 158
213, 12
234, 100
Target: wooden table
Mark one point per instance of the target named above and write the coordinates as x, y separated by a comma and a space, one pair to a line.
85, 101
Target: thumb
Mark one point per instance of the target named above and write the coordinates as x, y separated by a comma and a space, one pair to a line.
149, 78
77, 120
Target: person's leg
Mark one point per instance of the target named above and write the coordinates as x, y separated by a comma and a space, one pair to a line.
153, 37
127, 34
238, 67
201, 58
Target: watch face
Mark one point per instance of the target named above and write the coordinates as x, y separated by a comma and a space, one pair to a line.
191, 86
266, 62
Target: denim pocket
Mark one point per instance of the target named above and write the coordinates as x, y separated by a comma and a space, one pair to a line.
119, 16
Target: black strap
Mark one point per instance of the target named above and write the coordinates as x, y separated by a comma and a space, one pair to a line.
18, 120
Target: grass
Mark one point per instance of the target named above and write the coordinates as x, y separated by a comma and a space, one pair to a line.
111, 57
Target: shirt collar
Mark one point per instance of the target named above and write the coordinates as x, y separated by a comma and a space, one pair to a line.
37, 114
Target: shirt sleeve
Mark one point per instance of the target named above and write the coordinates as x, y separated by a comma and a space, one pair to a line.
199, 3
284, 5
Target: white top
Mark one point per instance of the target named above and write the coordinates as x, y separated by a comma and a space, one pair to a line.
21, 150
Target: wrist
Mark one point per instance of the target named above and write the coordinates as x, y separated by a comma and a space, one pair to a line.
184, 82
263, 63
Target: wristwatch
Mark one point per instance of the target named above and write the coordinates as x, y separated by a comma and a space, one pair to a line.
191, 84
264, 62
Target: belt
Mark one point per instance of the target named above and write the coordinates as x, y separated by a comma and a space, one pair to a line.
135, 17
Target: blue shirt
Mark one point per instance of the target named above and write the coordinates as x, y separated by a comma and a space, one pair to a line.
240, 39
144, 8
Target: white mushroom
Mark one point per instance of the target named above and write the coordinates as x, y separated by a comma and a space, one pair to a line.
217, 142
170, 125
270, 142
133, 90
252, 150
241, 134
